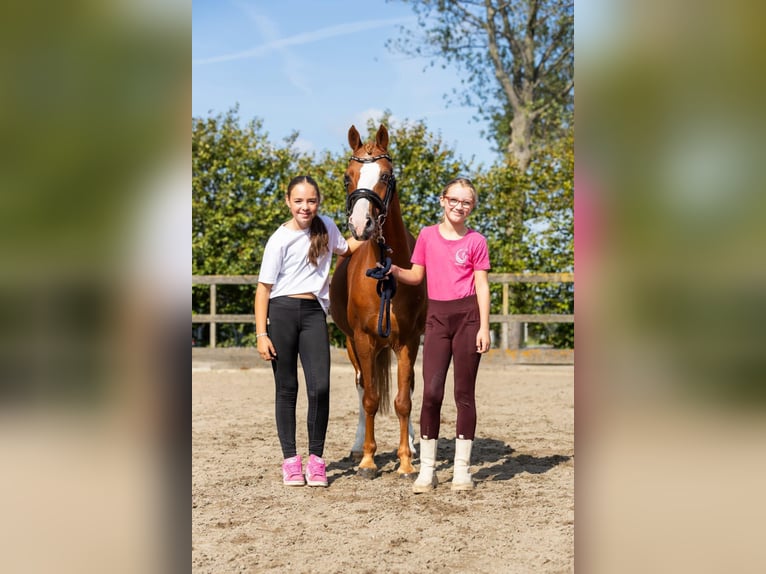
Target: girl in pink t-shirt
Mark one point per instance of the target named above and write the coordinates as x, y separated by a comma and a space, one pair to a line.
455, 261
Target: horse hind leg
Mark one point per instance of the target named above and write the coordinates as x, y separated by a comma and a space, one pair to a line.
411, 431
403, 404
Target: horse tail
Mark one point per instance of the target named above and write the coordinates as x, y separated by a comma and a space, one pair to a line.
382, 379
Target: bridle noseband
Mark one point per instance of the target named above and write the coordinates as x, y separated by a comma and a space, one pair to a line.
363, 193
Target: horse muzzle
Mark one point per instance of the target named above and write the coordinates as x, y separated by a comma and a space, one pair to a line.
363, 231
359, 205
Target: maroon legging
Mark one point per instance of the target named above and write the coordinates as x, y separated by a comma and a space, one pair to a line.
451, 329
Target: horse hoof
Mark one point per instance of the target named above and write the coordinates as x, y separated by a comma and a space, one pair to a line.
408, 475
356, 456
367, 473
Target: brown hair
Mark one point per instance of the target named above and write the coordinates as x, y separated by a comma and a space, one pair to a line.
465, 182
317, 230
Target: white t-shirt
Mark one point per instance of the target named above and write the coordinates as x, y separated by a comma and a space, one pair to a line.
286, 264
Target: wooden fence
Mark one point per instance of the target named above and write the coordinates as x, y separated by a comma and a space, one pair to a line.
505, 319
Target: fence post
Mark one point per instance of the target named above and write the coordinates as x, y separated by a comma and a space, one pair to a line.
504, 325
212, 315
512, 328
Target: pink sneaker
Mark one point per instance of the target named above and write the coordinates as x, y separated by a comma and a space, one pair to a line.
316, 474
292, 471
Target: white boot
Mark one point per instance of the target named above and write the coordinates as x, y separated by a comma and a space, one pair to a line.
461, 478
426, 479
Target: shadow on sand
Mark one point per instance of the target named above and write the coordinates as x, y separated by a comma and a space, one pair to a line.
503, 463
491, 459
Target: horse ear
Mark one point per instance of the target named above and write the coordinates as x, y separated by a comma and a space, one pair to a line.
353, 138
382, 138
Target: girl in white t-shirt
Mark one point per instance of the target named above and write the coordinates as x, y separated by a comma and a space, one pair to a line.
291, 303
454, 259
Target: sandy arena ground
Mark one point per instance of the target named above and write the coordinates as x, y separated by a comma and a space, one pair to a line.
519, 518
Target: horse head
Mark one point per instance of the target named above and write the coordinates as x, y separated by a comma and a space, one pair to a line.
370, 184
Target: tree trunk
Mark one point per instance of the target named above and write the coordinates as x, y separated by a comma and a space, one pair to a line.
521, 136
520, 150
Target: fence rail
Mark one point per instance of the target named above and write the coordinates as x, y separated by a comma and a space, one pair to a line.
505, 319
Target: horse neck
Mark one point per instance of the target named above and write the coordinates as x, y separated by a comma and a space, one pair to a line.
394, 230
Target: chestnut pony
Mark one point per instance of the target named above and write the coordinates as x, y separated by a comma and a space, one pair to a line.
377, 315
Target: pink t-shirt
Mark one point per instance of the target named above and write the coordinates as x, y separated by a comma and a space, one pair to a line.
450, 263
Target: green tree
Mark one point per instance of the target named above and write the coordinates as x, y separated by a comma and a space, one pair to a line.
550, 237
240, 176
542, 200
238, 183
502, 196
518, 60
550, 216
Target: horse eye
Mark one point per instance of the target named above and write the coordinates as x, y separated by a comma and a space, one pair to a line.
346, 181
384, 177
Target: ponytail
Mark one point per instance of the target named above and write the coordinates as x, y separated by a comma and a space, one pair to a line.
319, 240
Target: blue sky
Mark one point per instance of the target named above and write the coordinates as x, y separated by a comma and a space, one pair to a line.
317, 67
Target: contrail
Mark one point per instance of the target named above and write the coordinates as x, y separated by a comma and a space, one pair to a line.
306, 38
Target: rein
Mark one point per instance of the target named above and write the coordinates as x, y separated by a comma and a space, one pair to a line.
386, 287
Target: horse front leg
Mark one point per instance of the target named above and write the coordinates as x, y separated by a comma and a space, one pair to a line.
403, 406
367, 466
370, 403
356, 448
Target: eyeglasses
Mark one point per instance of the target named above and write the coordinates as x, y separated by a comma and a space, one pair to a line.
452, 202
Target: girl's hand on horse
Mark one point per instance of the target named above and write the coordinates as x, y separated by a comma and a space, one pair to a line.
413, 276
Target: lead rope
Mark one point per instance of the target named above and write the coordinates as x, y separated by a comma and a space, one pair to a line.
386, 287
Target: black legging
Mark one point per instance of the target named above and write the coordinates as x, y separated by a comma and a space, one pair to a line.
451, 328
298, 327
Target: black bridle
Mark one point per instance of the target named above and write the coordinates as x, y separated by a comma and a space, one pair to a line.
363, 193
386, 286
